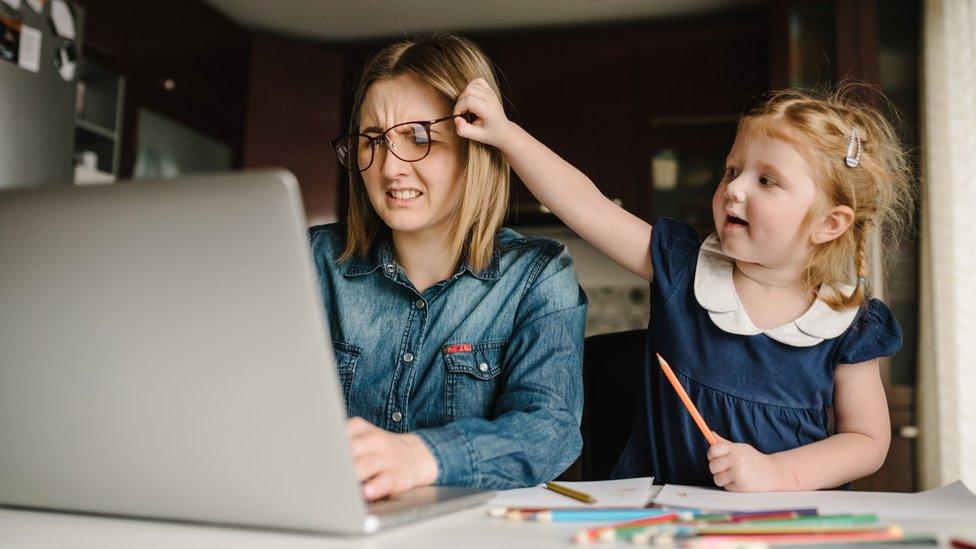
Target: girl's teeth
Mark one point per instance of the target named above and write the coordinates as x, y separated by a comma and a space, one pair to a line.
405, 195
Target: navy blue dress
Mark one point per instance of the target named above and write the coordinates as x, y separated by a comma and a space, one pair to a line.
749, 388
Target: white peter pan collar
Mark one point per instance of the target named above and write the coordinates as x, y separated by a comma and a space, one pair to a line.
716, 293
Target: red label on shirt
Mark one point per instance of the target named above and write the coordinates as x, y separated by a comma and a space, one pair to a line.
459, 348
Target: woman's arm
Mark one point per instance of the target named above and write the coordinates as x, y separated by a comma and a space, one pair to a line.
622, 236
857, 449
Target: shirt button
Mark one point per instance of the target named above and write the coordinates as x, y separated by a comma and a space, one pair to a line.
408, 358
483, 367
397, 416
420, 304
390, 269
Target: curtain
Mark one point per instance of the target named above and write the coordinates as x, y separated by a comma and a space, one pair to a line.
947, 346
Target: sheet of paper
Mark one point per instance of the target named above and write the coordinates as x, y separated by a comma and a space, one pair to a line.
631, 492
15, 4
30, 49
62, 19
949, 503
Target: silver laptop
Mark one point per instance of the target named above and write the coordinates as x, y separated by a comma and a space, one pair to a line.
164, 354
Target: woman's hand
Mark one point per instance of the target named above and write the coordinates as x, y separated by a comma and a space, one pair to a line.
740, 467
491, 127
388, 463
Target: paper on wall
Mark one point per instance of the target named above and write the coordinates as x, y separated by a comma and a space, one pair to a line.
30, 49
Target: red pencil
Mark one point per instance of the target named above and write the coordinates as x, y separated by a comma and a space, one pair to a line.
687, 401
593, 534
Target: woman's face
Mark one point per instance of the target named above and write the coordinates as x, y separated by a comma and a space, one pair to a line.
411, 197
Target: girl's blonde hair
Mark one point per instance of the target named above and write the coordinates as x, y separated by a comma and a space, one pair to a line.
447, 63
879, 189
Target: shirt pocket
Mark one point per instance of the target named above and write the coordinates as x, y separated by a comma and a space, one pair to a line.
472, 381
346, 357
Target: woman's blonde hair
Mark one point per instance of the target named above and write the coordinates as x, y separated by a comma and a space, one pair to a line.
879, 189
447, 63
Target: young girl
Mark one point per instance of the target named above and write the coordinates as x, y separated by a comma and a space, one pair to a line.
767, 322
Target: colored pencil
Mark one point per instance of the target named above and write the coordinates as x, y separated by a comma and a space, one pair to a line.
570, 493
962, 543
595, 515
687, 401
601, 532
885, 534
772, 515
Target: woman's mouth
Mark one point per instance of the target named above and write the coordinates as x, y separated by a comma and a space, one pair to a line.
403, 196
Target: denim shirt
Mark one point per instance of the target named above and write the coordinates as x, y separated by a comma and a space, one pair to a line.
485, 366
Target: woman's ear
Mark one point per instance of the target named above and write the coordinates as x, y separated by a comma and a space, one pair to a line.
832, 224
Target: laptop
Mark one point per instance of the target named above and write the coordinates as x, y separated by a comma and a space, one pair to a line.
164, 354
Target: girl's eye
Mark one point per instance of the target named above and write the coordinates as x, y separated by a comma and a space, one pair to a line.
731, 173
766, 182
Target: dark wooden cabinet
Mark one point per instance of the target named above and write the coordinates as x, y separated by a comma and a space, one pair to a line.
605, 98
181, 59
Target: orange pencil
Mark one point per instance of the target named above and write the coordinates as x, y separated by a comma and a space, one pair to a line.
688, 404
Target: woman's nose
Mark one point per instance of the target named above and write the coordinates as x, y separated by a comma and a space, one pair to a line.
391, 163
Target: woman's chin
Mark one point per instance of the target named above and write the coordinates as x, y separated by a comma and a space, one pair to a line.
407, 222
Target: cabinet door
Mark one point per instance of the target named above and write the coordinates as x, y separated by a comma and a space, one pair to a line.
574, 91
700, 70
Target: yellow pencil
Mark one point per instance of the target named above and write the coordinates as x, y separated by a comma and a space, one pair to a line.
569, 492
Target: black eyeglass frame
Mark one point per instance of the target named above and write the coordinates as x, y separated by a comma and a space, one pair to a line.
376, 140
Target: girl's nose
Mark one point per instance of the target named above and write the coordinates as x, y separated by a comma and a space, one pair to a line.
734, 191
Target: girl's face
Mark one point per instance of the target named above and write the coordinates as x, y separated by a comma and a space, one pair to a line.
411, 197
761, 204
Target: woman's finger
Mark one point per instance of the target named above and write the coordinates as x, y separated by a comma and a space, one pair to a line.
368, 466
366, 443
378, 487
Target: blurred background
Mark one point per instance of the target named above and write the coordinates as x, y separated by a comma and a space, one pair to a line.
643, 96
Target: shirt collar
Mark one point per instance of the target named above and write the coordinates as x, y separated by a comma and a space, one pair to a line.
381, 257
716, 293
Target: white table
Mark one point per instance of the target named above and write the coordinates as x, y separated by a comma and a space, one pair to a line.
470, 529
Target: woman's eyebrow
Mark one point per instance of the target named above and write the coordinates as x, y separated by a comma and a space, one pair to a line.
372, 129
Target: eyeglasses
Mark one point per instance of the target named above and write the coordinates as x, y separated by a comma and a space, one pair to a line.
409, 141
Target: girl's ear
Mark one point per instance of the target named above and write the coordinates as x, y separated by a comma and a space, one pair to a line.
832, 224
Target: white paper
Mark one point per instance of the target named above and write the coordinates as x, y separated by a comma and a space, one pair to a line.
15, 4
949, 503
64, 21
631, 492
36, 5
30, 49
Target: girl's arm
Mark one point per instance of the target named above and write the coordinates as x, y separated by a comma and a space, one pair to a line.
622, 236
857, 449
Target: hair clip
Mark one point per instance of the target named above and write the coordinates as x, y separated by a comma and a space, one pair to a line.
862, 281
853, 158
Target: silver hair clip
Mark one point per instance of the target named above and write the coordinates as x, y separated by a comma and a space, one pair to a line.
862, 281
853, 158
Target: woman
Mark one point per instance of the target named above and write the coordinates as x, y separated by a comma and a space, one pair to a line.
458, 343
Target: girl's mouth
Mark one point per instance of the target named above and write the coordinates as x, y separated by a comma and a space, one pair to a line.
733, 220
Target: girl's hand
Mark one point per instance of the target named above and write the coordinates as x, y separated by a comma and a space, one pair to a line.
740, 467
491, 127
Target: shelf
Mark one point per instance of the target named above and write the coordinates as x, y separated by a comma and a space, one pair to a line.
95, 129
